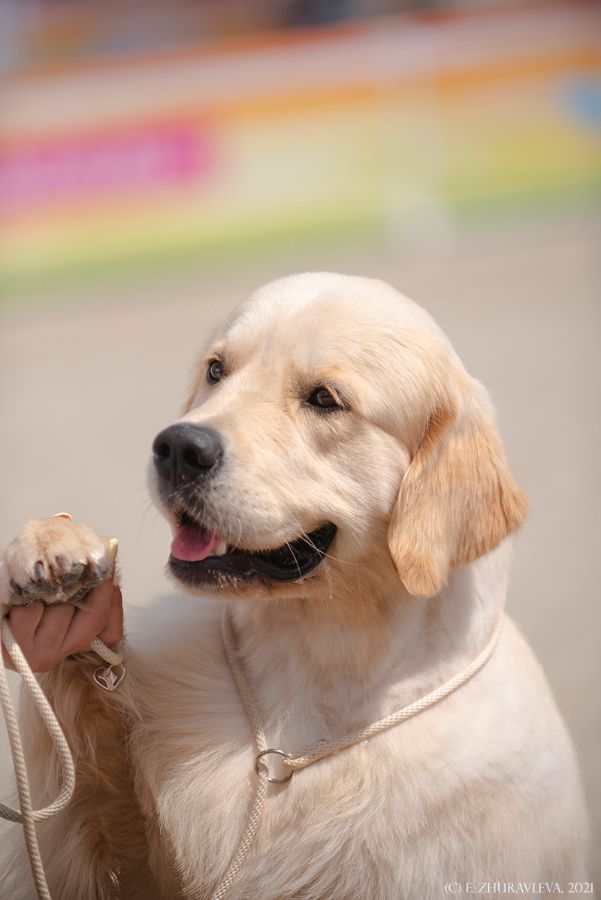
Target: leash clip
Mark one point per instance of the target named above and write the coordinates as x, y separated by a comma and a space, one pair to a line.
279, 753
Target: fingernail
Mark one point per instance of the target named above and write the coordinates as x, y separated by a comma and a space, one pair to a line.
113, 549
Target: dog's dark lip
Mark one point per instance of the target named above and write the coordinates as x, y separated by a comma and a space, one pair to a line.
289, 562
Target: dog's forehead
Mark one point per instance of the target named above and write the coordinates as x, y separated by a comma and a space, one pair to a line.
329, 318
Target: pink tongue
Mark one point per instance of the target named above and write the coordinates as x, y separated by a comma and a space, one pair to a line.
193, 544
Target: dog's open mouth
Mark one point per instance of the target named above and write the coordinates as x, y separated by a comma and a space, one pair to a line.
200, 557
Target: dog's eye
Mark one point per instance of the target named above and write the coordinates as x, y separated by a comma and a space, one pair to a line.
215, 371
322, 398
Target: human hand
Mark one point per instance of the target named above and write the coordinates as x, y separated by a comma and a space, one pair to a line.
48, 634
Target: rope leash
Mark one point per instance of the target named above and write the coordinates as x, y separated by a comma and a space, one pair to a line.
321, 749
109, 680
106, 678
252, 713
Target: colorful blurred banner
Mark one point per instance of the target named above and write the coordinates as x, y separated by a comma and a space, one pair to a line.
405, 128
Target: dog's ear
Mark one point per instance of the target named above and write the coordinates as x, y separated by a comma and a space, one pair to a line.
457, 499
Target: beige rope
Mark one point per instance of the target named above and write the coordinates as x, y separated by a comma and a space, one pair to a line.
327, 748
105, 653
26, 814
323, 748
252, 824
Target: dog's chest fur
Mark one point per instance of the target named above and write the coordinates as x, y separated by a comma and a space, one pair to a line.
379, 820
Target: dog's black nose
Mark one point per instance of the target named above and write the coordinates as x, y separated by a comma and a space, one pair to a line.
185, 452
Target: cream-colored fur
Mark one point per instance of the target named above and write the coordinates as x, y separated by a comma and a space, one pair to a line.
481, 787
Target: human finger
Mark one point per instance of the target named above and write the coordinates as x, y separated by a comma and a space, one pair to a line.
24, 621
113, 633
52, 629
89, 620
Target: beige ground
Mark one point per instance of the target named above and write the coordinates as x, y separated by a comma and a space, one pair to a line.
86, 385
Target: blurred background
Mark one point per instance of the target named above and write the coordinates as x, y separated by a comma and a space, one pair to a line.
161, 158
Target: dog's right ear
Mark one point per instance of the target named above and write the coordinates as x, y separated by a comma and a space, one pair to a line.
457, 499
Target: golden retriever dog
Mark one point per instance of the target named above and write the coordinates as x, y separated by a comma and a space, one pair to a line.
337, 481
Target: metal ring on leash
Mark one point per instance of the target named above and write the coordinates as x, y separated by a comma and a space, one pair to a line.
277, 753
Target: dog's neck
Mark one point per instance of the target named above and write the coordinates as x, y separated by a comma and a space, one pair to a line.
388, 640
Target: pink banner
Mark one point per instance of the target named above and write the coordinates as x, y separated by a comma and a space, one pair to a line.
59, 171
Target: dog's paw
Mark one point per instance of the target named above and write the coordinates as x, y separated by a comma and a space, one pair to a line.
55, 560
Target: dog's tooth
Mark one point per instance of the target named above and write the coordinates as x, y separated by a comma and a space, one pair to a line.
220, 549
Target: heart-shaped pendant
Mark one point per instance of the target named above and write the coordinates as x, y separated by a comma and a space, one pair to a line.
109, 678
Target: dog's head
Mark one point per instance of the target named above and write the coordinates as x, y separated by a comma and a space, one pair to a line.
331, 420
